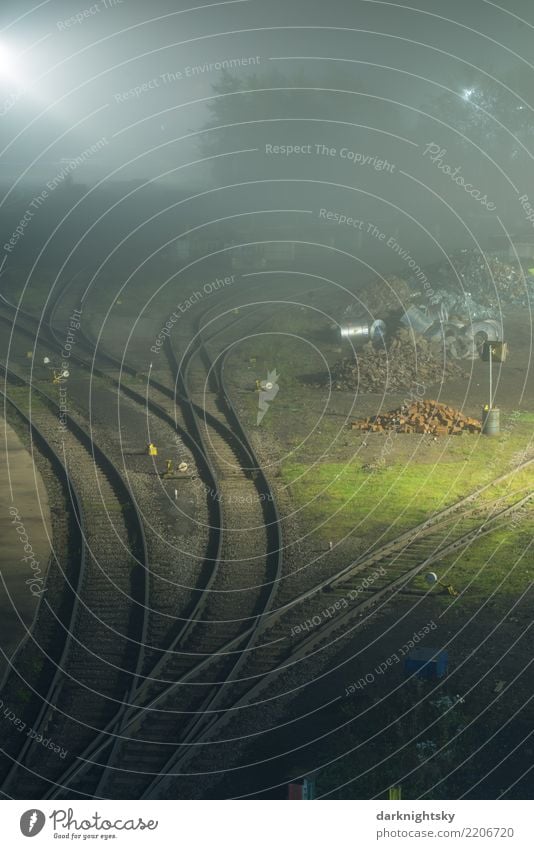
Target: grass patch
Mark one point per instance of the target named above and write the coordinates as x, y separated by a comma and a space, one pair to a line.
493, 571
337, 498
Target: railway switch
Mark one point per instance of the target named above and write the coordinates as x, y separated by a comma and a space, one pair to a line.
59, 376
169, 469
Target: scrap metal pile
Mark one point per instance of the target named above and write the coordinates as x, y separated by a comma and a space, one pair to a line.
420, 417
470, 286
475, 286
408, 359
380, 296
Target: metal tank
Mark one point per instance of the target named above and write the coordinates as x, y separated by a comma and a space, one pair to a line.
363, 331
491, 421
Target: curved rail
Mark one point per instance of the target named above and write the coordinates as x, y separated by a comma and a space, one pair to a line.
181, 377
273, 521
67, 626
195, 733
280, 622
136, 530
164, 414
278, 662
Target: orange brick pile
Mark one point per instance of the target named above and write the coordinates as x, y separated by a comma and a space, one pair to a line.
420, 417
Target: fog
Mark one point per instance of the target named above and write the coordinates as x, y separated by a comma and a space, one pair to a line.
266, 274
417, 121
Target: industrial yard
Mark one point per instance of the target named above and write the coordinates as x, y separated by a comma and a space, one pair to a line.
266, 532
268, 402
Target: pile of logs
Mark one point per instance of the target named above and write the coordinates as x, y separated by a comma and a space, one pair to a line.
420, 417
405, 362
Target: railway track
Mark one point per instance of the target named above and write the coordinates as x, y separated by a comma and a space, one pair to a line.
232, 673
163, 615
144, 416
103, 646
232, 451
268, 649
40, 654
243, 580
280, 652
312, 625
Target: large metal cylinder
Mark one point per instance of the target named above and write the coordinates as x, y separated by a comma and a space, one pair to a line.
378, 329
363, 331
358, 332
491, 422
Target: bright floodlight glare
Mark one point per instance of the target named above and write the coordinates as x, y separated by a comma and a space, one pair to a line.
10, 68
6, 62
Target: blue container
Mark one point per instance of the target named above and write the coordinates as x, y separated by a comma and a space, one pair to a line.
427, 663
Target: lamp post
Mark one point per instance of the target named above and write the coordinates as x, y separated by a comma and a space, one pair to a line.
492, 351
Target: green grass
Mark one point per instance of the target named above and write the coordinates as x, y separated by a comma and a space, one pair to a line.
359, 500
338, 498
493, 572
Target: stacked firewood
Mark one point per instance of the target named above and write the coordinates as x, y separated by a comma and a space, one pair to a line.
420, 417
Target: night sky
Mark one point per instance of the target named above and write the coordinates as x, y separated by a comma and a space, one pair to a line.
67, 73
